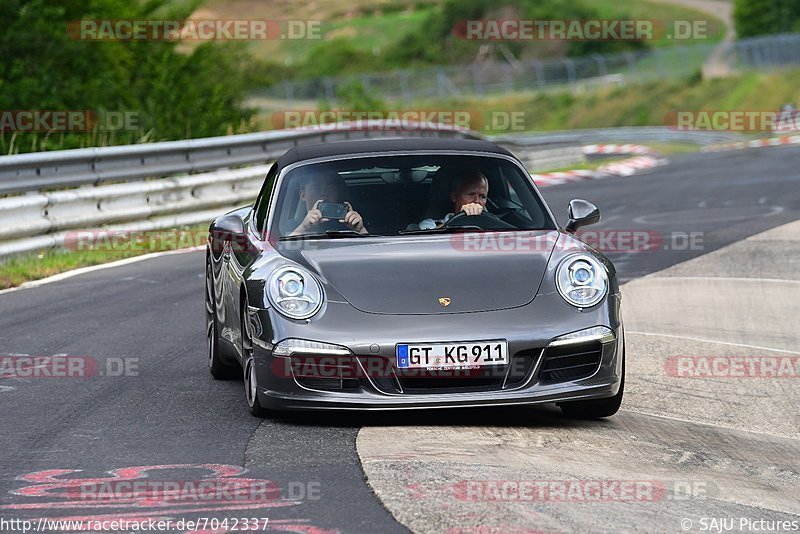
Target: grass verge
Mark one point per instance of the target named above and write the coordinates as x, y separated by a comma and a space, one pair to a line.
376, 25
637, 104
34, 266
643, 104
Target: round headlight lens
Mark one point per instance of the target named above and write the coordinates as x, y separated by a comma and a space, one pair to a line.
582, 280
582, 273
294, 292
291, 284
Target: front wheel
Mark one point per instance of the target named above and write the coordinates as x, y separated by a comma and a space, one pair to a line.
250, 375
219, 369
596, 408
251, 390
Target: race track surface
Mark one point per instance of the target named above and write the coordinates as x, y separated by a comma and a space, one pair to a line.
164, 411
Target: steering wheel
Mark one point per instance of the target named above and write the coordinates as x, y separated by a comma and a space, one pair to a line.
331, 225
503, 207
485, 221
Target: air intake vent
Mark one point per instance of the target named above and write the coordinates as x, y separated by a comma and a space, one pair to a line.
571, 362
324, 373
328, 384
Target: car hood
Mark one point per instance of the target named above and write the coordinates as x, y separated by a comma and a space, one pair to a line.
409, 275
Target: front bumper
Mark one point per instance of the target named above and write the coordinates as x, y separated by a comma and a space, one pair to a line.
529, 379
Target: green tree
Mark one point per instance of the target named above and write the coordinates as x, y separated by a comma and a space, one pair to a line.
176, 94
337, 56
437, 39
761, 17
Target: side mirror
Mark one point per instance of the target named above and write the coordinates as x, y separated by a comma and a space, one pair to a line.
581, 213
228, 228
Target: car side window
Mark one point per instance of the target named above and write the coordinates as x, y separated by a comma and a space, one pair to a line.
261, 206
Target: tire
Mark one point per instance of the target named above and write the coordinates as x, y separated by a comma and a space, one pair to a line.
250, 375
250, 390
596, 408
219, 369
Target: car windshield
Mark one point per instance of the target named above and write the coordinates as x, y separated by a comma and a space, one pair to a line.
409, 194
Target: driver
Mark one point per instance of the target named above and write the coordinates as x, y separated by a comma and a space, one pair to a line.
468, 193
326, 188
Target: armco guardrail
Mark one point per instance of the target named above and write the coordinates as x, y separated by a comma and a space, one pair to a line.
193, 181
68, 168
624, 134
84, 207
542, 151
66, 190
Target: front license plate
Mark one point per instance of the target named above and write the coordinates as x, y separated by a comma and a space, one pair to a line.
451, 355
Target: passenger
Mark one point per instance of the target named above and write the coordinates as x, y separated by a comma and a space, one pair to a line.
468, 193
316, 189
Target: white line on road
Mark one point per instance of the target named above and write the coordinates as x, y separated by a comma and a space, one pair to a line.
731, 278
710, 341
83, 270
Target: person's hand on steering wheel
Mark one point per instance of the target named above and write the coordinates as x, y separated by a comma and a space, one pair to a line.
485, 220
472, 208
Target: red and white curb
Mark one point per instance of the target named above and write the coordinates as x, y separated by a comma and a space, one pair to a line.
756, 143
627, 167
558, 178
613, 149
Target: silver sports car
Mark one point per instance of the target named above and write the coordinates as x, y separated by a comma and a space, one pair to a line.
411, 273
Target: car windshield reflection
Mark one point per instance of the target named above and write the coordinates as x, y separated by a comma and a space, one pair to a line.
407, 195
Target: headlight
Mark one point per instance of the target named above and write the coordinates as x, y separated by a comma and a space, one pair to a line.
582, 280
291, 346
294, 292
596, 333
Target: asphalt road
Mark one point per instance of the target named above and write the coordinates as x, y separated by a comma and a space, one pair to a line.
708, 428
696, 204
165, 412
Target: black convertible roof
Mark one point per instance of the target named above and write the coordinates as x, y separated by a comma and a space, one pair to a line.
406, 144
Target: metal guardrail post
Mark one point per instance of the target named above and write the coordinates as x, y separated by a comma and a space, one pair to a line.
570, 66
659, 63
540, 77
440, 83
476, 83
404, 90
329, 92
288, 86
601, 64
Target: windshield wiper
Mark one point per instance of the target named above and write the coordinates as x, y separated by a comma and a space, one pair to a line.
331, 234
442, 230
471, 228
